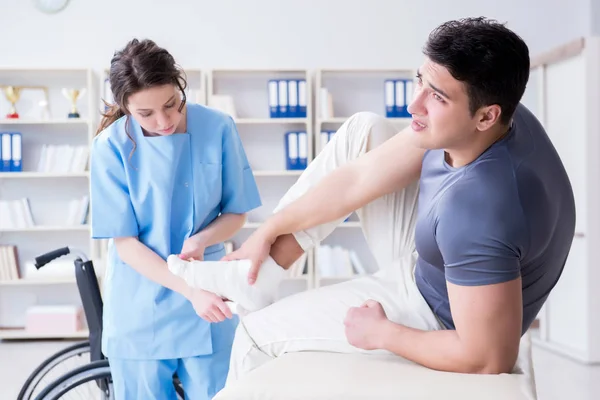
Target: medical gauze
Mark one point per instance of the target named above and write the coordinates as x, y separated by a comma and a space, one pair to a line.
229, 279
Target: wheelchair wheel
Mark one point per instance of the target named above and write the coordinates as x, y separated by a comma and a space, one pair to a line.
91, 381
53, 367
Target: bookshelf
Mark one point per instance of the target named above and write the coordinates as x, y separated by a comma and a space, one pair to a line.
340, 93
54, 179
244, 95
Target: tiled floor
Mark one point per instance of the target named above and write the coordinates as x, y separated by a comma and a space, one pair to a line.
557, 378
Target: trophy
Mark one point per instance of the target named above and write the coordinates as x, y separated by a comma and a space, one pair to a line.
12, 94
73, 95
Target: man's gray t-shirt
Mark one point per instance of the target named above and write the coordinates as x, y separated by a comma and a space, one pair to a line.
509, 213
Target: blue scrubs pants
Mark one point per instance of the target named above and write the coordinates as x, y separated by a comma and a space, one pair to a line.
201, 376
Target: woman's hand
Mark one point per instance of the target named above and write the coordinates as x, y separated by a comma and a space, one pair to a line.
193, 249
209, 306
256, 249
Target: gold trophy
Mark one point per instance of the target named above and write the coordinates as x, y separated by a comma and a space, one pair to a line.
73, 95
12, 94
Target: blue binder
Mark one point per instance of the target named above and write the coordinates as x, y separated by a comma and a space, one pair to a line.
302, 150
291, 151
400, 99
293, 98
302, 98
282, 98
6, 152
389, 93
273, 92
408, 96
16, 164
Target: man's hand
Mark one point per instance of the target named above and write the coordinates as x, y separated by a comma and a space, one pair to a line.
488, 322
209, 306
363, 325
193, 249
256, 249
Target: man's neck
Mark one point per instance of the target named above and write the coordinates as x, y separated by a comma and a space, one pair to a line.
469, 152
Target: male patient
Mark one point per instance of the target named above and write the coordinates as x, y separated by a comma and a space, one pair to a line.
468, 212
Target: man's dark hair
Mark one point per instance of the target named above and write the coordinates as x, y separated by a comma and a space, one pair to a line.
491, 60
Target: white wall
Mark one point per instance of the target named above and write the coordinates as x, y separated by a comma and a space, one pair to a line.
267, 33
594, 17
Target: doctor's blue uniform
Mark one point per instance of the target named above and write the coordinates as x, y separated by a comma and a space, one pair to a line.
167, 190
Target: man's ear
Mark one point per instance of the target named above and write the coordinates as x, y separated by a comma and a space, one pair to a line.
488, 116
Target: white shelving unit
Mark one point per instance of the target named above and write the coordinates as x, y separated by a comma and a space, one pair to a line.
263, 140
262, 136
569, 322
48, 193
351, 91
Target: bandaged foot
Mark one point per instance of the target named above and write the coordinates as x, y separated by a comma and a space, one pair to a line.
229, 279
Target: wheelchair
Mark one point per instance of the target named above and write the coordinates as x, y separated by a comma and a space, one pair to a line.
92, 377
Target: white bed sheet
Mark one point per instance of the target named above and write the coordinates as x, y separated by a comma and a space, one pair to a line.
336, 376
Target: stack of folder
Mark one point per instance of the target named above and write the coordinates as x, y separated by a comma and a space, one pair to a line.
10, 152
287, 98
398, 95
296, 150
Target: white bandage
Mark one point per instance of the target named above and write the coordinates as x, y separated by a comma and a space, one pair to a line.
229, 279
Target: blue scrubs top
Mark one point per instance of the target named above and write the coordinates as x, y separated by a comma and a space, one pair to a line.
170, 188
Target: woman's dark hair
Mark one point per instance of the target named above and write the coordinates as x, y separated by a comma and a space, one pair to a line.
491, 60
138, 66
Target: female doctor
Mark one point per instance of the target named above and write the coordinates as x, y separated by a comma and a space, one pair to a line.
167, 177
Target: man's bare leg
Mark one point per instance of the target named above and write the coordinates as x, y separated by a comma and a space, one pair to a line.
286, 250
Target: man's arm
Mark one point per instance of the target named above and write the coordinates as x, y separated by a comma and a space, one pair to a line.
481, 235
389, 167
352, 185
486, 340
